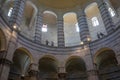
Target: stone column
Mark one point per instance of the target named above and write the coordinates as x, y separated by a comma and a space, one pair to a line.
90, 66
61, 73
82, 22
17, 13
39, 24
4, 66
60, 25
33, 72
109, 25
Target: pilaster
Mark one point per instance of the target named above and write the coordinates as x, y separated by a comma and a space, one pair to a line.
82, 22
109, 25
33, 71
4, 66
17, 13
38, 31
60, 25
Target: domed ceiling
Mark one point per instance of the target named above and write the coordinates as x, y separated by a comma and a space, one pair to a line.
62, 4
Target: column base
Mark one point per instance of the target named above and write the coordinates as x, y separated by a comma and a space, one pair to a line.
62, 76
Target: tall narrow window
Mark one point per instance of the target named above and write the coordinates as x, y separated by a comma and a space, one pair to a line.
10, 12
77, 27
112, 13
44, 28
95, 21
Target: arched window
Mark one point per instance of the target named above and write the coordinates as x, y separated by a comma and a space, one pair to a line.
44, 28
77, 27
95, 21
10, 12
112, 13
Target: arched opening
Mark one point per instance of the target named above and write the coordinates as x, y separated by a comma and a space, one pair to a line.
29, 14
21, 61
48, 68
95, 22
71, 29
107, 65
28, 20
6, 8
49, 28
76, 69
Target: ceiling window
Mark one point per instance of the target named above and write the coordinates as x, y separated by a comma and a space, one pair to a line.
77, 27
44, 28
112, 13
10, 12
95, 21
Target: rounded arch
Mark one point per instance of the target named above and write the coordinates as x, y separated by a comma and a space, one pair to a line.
48, 61
76, 68
50, 56
48, 67
30, 11
2, 40
49, 28
7, 6
21, 61
106, 64
94, 21
71, 29
75, 61
105, 57
50, 12
101, 50
26, 52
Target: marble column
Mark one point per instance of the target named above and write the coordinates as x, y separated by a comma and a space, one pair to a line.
39, 24
82, 22
33, 72
4, 66
17, 13
60, 25
109, 25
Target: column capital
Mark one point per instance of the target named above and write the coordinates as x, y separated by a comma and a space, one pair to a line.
33, 69
5, 61
61, 70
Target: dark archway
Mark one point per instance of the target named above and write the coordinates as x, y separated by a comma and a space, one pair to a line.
48, 68
107, 65
20, 66
76, 69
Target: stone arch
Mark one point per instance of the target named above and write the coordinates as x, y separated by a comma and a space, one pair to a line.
106, 63
94, 20
2, 40
76, 68
6, 7
30, 12
99, 51
72, 38
49, 28
48, 67
21, 60
27, 52
50, 12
